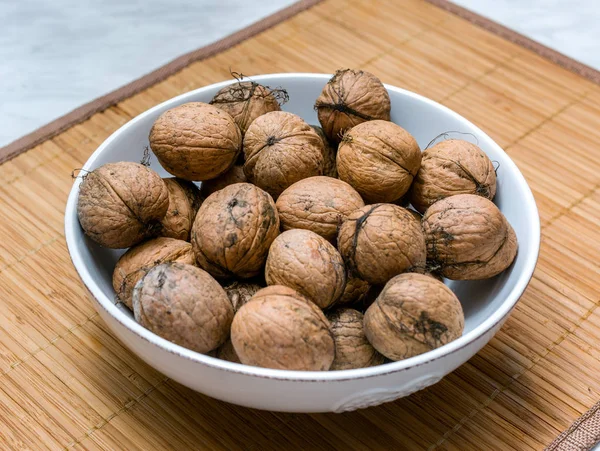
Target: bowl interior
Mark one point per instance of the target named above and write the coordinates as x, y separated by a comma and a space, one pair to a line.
484, 302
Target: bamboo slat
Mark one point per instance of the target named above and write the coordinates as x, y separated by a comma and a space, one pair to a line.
67, 383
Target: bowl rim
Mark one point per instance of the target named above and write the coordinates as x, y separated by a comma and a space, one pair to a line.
107, 304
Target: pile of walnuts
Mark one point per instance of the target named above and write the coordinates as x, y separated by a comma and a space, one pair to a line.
296, 251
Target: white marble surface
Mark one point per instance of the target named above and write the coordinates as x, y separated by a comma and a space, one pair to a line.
57, 55
570, 27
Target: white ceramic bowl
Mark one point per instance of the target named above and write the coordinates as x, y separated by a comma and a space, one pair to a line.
486, 303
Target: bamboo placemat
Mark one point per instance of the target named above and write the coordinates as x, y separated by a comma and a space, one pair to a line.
66, 382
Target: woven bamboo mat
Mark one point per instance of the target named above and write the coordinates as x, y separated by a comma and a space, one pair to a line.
66, 382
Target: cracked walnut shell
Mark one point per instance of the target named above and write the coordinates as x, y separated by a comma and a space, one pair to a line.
302, 260
349, 98
183, 304
279, 328
468, 238
233, 230
195, 141
318, 204
280, 149
121, 204
413, 314
449, 168
380, 241
379, 159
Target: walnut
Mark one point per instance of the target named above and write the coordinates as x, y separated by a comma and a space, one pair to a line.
329, 154
246, 100
468, 237
184, 202
352, 349
227, 352
350, 98
413, 314
281, 329
379, 159
240, 292
196, 141
318, 204
280, 149
355, 291
121, 204
449, 168
302, 260
233, 230
136, 262
380, 241
234, 175
183, 304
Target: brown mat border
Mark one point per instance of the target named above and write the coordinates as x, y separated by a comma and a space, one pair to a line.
581, 435
87, 110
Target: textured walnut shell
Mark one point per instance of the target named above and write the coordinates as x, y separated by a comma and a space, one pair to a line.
241, 292
413, 314
234, 175
136, 262
302, 260
318, 204
227, 352
184, 202
449, 168
281, 329
183, 304
329, 154
379, 159
380, 241
233, 230
352, 349
245, 101
196, 141
468, 237
280, 149
355, 291
121, 204
350, 98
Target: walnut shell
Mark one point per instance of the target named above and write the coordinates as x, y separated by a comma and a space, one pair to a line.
468, 237
183, 304
350, 98
241, 292
281, 329
136, 262
234, 175
233, 230
318, 204
379, 159
245, 101
280, 149
196, 141
449, 168
380, 241
355, 291
413, 314
121, 204
329, 154
184, 202
352, 349
302, 260
227, 352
